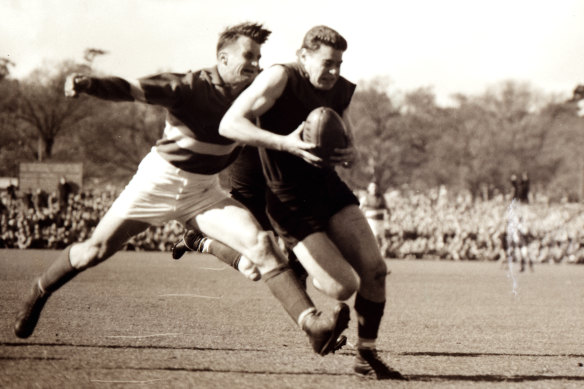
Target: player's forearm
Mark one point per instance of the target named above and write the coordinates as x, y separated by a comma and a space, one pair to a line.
111, 88
242, 130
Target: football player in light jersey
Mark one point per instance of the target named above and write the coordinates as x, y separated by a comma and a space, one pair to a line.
375, 210
310, 207
178, 180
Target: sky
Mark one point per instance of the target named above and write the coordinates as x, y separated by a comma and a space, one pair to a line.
451, 46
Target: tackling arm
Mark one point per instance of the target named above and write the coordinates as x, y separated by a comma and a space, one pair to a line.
107, 88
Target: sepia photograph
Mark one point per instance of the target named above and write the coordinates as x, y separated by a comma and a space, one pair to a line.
295, 194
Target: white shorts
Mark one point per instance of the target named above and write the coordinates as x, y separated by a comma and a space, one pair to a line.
160, 192
377, 226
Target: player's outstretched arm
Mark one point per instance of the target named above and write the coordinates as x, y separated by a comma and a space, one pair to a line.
107, 88
257, 99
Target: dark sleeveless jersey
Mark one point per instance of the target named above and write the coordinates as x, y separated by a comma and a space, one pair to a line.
292, 107
195, 103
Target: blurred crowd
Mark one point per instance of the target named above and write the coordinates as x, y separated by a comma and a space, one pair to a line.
435, 224
461, 228
53, 221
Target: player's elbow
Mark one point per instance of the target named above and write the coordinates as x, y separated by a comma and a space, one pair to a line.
228, 126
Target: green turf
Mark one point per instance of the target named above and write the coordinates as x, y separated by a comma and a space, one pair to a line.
144, 320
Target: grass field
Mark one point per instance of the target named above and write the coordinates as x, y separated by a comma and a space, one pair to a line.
142, 320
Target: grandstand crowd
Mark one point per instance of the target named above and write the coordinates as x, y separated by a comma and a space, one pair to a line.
435, 224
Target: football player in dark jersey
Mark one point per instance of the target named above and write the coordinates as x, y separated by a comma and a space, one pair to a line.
310, 207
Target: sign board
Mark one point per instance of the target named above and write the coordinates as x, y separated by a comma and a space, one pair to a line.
5, 182
46, 175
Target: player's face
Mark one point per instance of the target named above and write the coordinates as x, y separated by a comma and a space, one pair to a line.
581, 108
323, 66
241, 61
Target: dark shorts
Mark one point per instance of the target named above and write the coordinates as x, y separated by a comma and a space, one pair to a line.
248, 185
255, 202
299, 210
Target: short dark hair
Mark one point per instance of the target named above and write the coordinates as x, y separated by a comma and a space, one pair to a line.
255, 31
323, 35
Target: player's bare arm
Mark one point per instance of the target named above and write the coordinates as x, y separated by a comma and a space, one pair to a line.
258, 98
346, 157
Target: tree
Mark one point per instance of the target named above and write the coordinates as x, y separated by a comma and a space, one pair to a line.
44, 111
5, 64
117, 137
371, 113
10, 143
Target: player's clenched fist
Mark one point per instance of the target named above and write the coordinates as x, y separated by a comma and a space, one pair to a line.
75, 84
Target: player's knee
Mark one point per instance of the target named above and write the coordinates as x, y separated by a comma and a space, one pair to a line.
376, 274
262, 248
340, 290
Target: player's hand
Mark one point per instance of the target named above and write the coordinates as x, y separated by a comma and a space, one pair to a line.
294, 144
75, 84
345, 157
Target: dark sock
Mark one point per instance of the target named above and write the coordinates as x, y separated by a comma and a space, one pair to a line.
288, 291
223, 252
369, 314
59, 273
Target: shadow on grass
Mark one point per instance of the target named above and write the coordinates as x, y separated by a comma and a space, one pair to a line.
411, 377
126, 346
471, 355
493, 378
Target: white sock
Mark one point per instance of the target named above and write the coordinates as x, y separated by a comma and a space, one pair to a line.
304, 315
206, 244
41, 287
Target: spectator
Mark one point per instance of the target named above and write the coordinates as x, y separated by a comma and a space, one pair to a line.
63, 191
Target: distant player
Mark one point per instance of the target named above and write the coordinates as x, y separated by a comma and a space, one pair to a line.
310, 207
375, 209
518, 213
178, 180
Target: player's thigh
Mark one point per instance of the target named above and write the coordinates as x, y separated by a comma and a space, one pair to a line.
351, 233
229, 222
110, 234
325, 263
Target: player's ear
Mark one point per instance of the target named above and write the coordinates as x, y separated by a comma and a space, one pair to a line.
301, 53
222, 57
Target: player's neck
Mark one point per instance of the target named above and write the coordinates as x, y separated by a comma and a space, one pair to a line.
235, 88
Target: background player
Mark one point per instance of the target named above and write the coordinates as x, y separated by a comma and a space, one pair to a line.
178, 180
375, 209
517, 229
